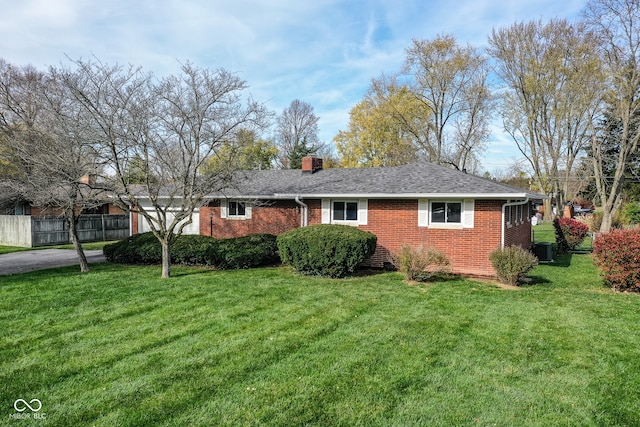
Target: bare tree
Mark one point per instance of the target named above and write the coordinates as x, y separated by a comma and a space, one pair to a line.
553, 84
48, 136
170, 127
616, 22
451, 81
297, 133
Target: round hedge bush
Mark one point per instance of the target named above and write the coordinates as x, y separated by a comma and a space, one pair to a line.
326, 250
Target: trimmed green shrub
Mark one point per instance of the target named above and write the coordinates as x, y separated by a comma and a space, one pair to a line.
243, 252
569, 233
194, 250
512, 264
421, 264
617, 255
137, 249
254, 250
327, 250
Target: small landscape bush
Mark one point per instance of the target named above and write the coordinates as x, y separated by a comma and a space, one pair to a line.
254, 250
569, 233
617, 255
327, 250
512, 264
137, 249
421, 264
243, 252
592, 220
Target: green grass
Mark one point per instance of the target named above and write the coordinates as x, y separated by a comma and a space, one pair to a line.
121, 347
86, 246
544, 232
11, 249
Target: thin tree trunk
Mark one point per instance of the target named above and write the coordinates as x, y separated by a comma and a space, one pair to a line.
166, 258
548, 209
72, 220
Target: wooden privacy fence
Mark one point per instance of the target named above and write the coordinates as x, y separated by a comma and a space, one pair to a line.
32, 231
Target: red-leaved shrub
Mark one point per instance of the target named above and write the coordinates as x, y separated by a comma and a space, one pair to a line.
569, 233
617, 255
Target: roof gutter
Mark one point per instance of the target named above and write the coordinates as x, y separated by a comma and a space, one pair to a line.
304, 213
455, 196
504, 225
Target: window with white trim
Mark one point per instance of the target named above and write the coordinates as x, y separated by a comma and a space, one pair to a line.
344, 210
446, 212
236, 209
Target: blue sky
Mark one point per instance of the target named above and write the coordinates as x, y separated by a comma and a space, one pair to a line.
323, 52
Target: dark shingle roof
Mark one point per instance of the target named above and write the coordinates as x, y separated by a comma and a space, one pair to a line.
420, 179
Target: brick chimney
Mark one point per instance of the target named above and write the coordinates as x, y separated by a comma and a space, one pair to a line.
311, 164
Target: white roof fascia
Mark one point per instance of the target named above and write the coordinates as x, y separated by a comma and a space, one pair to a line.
408, 195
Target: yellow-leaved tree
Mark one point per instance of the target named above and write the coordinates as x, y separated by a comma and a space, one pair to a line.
246, 152
377, 134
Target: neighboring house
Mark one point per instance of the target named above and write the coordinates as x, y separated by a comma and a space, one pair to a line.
26, 225
420, 204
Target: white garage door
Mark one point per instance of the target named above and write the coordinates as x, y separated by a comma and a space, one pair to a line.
193, 228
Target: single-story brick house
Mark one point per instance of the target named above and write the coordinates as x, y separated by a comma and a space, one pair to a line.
420, 204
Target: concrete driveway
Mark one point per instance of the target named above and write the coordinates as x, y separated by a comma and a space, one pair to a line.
22, 262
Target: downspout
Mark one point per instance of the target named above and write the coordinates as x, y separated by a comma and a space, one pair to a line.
304, 213
130, 221
504, 225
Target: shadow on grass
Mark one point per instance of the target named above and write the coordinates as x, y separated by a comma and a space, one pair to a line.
190, 270
535, 280
177, 270
367, 272
560, 260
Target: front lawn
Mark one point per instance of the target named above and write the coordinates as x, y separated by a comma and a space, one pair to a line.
121, 347
86, 246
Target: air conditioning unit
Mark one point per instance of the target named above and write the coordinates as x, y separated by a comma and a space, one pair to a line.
544, 252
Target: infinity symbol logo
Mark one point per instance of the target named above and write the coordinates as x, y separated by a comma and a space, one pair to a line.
25, 405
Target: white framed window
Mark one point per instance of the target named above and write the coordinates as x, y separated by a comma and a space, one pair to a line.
235, 209
446, 213
345, 211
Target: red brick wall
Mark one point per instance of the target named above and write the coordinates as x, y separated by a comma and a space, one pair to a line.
394, 222
273, 217
518, 232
